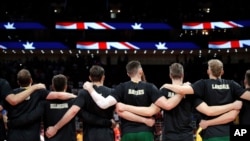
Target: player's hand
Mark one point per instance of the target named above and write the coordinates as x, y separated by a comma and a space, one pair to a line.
113, 123
51, 131
87, 85
38, 86
237, 104
149, 122
186, 84
203, 124
163, 86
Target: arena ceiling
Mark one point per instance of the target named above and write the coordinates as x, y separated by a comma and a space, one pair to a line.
174, 13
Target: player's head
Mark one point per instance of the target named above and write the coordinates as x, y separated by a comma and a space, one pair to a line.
134, 68
96, 73
59, 83
24, 78
247, 78
215, 68
176, 71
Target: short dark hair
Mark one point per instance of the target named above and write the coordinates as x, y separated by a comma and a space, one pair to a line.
24, 77
59, 82
96, 72
247, 77
176, 70
132, 67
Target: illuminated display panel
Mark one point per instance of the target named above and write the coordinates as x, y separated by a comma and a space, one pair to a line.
215, 25
21, 25
111, 26
229, 44
32, 45
136, 45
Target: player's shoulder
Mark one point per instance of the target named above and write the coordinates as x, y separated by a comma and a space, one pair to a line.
2, 80
105, 89
147, 83
82, 92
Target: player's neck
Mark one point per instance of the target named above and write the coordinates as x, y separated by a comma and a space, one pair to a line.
213, 77
25, 87
135, 79
97, 83
177, 81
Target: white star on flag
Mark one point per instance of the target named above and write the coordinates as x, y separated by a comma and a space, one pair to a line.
29, 45
2, 47
161, 46
9, 26
137, 26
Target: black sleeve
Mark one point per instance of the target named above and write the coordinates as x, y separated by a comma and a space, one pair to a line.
28, 118
94, 120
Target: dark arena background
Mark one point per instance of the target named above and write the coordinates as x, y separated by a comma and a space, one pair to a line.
68, 36
65, 36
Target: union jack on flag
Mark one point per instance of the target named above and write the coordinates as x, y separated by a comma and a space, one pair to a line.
229, 44
215, 25
110, 26
135, 45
